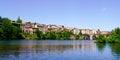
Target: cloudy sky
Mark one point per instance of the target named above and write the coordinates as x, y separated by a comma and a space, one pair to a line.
93, 14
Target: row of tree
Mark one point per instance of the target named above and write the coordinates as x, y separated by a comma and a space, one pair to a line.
114, 37
52, 35
62, 35
9, 31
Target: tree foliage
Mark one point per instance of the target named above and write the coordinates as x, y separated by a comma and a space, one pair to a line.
62, 35
79, 36
0, 18
19, 20
39, 34
101, 38
114, 37
8, 30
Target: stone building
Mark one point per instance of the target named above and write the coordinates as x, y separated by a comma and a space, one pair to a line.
28, 27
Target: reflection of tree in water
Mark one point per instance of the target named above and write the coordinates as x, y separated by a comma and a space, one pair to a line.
9, 50
115, 50
16, 50
100, 46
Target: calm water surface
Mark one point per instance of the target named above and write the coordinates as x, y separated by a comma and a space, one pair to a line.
58, 50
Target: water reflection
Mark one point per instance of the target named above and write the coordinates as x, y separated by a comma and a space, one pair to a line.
115, 48
58, 50
30, 46
100, 46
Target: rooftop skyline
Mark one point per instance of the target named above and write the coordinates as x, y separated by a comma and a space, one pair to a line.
88, 14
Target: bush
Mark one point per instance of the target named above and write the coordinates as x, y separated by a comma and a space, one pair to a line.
101, 39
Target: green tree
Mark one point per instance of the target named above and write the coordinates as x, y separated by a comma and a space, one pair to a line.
39, 34
19, 20
16, 33
23, 35
79, 36
101, 39
50, 35
9, 30
115, 35
1, 33
0, 18
94, 37
65, 35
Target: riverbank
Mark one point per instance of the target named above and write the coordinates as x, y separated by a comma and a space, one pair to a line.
114, 37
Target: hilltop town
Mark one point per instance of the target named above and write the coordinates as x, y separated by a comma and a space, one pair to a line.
30, 28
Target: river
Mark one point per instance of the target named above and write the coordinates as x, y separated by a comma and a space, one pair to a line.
58, 50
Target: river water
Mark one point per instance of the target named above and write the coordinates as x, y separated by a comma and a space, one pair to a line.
58, 50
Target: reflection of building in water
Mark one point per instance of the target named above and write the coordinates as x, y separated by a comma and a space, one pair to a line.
87, 46
83, 46
76, 45
56, 48
43, 48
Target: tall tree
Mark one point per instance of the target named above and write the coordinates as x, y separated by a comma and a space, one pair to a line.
94, 37
0, 18
1, 33
101, 38
19, 20
39, 34
79, 36
9, 30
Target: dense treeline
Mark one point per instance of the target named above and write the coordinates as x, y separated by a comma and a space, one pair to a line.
39, 35
114, 37
62, 35
9, 31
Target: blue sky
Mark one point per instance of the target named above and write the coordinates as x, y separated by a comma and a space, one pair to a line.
93, 14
